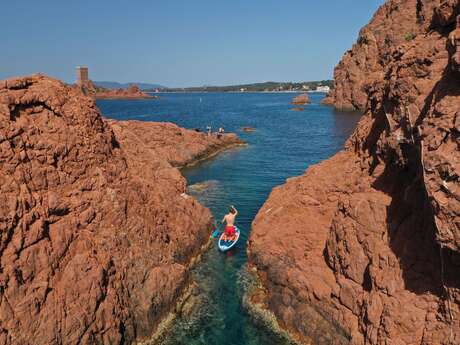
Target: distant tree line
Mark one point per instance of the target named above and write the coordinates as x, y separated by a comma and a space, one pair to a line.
269, 86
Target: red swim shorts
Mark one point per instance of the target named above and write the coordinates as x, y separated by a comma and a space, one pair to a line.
230, 230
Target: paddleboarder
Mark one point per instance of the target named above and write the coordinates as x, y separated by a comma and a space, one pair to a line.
229, 219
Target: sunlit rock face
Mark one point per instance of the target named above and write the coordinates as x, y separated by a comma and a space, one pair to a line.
394, 23
96, 231
364, 248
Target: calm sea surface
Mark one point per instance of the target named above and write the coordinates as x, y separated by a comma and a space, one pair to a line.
284, 144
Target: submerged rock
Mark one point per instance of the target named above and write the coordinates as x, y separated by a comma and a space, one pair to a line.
248, 129
368, 242
202, 187
96, 240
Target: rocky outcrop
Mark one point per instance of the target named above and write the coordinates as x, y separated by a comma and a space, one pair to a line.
329, 99
302, 99
395, 22
132, 92
96, 231
365, 247
179, 146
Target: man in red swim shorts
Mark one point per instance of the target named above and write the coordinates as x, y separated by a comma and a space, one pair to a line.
230, 231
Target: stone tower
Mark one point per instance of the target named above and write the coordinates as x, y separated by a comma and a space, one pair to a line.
82, 75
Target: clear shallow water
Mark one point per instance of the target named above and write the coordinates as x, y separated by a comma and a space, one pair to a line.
284, 144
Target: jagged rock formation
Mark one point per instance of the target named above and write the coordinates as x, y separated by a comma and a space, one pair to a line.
96, 235
395, 22
365, 247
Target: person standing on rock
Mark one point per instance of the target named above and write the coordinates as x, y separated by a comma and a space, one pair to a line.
220, 132
229, 218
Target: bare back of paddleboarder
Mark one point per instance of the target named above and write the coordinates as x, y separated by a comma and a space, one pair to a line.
229, 219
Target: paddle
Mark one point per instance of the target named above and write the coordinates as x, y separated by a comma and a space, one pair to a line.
216, 232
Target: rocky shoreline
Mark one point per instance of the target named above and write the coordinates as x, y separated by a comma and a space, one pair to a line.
166, 320
255, 302
130, 93
179, 146
133, 92
364, 247
94, 217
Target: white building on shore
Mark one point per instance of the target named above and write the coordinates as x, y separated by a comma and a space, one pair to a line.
323, 89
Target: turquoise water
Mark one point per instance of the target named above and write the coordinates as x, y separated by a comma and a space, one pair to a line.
284, 144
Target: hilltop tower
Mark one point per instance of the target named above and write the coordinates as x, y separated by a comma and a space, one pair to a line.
82, 75
83, 81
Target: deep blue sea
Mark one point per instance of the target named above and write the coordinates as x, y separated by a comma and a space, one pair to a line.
284, 144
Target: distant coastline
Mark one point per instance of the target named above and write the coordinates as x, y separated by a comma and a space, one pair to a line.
270, 86
322, 86
238, 92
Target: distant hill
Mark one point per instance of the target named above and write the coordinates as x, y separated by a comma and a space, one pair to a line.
116, 85
270, 86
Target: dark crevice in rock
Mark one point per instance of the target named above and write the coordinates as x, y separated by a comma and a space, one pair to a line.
367, 280
115, 143
420, 15
18, 110
20, 85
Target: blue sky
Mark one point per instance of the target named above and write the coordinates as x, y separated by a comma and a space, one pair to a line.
179, 42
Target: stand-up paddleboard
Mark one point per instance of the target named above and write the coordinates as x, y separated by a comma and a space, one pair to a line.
226, 245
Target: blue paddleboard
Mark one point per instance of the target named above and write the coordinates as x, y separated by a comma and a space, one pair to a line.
226, 245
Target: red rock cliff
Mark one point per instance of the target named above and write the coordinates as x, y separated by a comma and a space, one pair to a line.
395, 22
365, 247
95, 234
